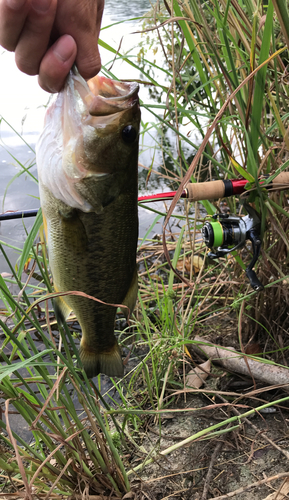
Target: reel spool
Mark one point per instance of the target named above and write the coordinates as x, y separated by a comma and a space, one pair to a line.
225, 233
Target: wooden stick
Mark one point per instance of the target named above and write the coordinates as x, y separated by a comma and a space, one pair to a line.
234, 361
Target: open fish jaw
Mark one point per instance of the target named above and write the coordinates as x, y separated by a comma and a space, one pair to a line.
81, 116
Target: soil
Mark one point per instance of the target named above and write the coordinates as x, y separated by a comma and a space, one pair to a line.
237, 459
219, 466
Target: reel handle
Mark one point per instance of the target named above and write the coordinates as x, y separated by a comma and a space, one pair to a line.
220, 189
254, 281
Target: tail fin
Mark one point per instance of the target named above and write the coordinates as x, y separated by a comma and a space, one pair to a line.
109, 362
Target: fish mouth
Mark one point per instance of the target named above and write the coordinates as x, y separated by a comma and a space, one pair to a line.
87, 135
104, 97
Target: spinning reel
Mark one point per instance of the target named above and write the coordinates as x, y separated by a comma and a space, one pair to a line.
225, 233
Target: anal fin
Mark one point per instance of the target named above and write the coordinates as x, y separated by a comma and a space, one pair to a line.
131, 296
61, 309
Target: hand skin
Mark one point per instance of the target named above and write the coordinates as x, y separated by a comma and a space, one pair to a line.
48, 36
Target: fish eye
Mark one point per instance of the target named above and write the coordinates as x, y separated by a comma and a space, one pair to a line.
129, 134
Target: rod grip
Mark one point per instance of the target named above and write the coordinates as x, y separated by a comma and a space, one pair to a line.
205, 190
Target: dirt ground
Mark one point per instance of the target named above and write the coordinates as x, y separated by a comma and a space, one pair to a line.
222, 465
239, 464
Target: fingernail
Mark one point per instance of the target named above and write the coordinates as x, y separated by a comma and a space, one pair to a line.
41, 5
64, 48
15, 4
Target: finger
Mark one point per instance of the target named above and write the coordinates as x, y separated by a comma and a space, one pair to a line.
88, 58
13, 14
34, 39
82, 20
57, 63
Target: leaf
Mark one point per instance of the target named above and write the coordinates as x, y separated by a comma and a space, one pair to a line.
26, 265
283, 491
6, 295
29, 242
7, 370
260, 81
242, 171
196, 377
282, 13
31, 398
158, 217
197, 264
175, 259
21, 336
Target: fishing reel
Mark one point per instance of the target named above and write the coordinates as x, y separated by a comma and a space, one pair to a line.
225, 233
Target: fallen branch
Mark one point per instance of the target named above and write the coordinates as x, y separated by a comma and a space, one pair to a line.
253, 485
281, 494
209, 477
234, 361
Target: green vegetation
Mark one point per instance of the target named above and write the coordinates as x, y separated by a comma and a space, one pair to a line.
222, 95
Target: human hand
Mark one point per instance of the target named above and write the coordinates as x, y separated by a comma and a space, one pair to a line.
48, 36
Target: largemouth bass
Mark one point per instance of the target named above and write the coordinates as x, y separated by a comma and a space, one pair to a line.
87, 158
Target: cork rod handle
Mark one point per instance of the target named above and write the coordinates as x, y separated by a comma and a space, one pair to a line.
205, 190
216, 189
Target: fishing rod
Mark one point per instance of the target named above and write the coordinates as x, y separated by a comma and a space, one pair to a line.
223, 233
211, 190
9, 215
